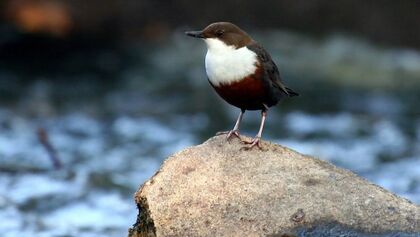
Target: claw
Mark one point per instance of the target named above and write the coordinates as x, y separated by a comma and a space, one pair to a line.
254, 142
233, 133
235, 130
257, 138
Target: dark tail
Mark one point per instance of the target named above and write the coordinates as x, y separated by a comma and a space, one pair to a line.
291, 93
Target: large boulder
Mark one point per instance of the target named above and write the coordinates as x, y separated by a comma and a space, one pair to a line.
217, 189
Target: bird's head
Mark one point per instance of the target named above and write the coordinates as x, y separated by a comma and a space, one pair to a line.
225, 32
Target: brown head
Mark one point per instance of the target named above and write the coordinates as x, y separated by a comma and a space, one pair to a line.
226, 32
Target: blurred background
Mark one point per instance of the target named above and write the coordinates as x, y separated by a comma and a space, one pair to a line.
94, 95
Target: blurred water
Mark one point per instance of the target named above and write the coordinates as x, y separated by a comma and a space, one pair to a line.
358, 109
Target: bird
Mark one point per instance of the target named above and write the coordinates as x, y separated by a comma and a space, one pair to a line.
242, 72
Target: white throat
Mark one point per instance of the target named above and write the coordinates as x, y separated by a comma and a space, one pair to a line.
225, 64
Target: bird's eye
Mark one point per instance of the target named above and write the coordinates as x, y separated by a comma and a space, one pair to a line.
220, 32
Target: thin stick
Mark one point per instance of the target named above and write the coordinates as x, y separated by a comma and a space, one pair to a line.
52, 153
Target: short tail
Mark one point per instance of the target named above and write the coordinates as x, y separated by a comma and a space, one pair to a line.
291, 93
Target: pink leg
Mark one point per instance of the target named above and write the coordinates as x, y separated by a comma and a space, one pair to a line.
257, 138
235, 130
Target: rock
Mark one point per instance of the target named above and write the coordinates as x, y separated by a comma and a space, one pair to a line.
216, 189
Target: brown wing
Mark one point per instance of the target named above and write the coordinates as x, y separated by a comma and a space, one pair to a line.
271, 71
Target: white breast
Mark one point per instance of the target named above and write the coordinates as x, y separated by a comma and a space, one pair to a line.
225, 64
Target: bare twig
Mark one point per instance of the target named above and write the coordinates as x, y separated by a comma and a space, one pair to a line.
52, 153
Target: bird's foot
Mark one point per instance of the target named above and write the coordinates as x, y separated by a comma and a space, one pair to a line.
230, 134
256, 142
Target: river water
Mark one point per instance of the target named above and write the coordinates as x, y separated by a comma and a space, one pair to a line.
358, 109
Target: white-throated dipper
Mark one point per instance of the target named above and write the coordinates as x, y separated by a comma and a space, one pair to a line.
241, 72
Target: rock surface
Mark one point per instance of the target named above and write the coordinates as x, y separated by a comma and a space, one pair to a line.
216, 189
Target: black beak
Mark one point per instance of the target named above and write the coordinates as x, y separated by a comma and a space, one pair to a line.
195, 34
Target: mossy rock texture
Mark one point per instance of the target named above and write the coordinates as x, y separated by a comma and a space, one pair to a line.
219, 189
